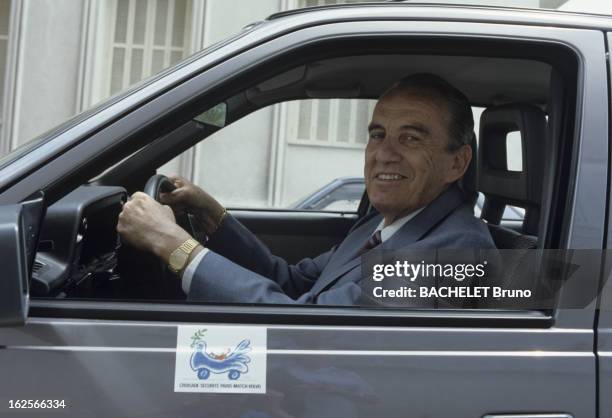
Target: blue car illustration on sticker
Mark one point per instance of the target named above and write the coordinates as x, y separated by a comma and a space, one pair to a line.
233, 362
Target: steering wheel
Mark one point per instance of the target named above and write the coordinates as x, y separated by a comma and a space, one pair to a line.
157, 184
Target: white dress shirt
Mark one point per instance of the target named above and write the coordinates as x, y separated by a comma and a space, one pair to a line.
386, 232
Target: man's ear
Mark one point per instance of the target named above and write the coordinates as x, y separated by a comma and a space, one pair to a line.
460, 162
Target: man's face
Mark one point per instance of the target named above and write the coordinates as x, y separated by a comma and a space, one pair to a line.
407, 162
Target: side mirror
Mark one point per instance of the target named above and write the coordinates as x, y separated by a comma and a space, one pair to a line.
19, 228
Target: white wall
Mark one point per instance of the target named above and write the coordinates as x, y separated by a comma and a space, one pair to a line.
226, 17
48, 66
588, 6
233, 164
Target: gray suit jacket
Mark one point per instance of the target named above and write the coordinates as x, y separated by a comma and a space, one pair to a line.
249, 273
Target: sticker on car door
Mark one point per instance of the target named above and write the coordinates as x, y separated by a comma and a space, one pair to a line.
220, 359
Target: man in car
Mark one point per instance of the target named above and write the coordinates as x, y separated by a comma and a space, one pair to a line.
418, 150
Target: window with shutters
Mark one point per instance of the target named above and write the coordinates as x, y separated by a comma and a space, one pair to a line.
329, 122
146, 37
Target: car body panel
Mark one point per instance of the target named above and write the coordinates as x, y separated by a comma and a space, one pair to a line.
604, 320
128, 366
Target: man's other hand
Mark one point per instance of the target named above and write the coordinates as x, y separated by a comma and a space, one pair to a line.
149, 226
187, 197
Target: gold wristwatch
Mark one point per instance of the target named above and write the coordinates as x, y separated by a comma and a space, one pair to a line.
178, 258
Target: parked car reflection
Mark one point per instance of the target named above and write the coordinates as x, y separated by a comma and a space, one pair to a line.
344, 194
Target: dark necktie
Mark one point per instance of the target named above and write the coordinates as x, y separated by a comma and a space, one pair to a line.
374, 240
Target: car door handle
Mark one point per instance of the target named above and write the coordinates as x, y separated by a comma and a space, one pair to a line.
527, 416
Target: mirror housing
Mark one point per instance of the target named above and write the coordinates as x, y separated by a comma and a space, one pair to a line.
14, 297
20, 226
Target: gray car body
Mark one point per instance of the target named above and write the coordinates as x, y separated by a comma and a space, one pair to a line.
117, 358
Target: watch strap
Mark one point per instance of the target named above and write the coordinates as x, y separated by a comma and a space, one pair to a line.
188, 246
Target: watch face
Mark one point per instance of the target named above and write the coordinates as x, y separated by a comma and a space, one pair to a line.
177, 260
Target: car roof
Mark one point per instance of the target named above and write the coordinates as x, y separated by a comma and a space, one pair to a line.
441, 11
529, 81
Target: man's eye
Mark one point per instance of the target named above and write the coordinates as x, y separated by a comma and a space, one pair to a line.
409, 139
376, 135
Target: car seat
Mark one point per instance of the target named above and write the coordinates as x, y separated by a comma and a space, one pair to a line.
502, 186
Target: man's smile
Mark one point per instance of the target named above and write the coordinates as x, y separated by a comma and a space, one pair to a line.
389, 176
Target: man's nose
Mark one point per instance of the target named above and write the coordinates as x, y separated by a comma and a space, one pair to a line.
387, 152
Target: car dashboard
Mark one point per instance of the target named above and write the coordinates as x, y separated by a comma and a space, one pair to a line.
79, 243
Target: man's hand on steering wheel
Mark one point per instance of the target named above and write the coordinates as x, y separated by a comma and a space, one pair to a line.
150, 226
187, 197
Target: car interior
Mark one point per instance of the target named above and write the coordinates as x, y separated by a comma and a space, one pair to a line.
522, 89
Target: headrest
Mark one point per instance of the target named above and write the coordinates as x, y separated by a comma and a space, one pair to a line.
500, 185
